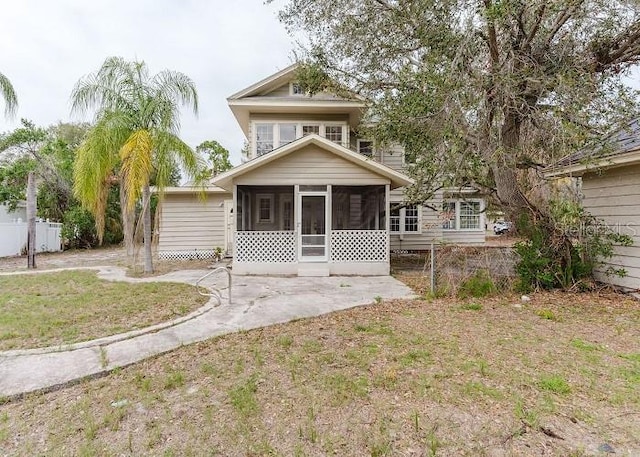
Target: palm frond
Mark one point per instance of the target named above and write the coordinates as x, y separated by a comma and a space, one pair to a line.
136, 164
170, 149
95, 163
9, 95
180, 86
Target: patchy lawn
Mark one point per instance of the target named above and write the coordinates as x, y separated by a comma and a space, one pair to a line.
70, 306
559, 376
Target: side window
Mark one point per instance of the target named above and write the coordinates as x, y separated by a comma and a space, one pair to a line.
394, 219
449, 215
365, 147
411, 223
469, 215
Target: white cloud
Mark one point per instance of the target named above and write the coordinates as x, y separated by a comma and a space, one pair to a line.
222, 46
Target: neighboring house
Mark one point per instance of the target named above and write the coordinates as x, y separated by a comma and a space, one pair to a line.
610, 176
313, 197
18, 214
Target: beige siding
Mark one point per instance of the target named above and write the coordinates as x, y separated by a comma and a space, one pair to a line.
393, 157
285, 91
188, 223
311, 165
614, 197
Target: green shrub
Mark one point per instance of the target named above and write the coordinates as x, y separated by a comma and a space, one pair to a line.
564, 250
477, 286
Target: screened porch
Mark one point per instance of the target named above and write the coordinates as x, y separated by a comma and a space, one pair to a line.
311, 223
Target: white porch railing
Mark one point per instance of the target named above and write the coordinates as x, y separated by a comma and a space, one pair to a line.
269, 247
359, 246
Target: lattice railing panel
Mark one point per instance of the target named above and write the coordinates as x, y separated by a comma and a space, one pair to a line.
359, 246
273, 247
196, 254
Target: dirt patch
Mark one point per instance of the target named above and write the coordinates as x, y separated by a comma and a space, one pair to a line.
559, 375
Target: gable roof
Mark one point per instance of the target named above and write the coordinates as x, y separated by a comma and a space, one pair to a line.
397, 179
267, 84
622, 147
256, 99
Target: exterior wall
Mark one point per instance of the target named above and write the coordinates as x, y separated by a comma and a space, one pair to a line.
614, 197
311, 165
190, 227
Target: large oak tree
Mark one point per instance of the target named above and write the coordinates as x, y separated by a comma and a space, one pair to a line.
481, 92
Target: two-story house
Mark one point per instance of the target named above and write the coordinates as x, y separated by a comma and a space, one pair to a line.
313, 198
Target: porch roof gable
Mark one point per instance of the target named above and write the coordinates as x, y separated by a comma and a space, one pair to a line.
397, 179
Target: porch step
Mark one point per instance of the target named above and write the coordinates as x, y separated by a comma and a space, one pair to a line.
313, 269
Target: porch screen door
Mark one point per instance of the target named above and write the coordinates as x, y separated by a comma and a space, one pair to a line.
313, 228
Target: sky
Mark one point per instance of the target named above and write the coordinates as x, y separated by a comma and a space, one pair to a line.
224, 46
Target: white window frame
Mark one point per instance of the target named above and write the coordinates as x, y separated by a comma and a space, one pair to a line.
456, 220
373, 149
259, 198
286, 198
292, 91
275, 123
403, 215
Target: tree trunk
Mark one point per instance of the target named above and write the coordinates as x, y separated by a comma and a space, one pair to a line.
128, 223
31, 221
146, 225
504, 170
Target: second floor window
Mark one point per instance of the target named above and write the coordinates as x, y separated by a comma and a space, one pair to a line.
365, 147
333, 133
287, 133
272, 135
264, 138
310, 130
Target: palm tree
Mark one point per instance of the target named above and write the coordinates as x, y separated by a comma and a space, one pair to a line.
134, 137
9, 96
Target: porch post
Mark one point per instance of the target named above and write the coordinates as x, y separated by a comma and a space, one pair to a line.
234, 221
329, 222
387, 217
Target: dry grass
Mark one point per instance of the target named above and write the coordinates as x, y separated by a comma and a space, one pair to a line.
440, 377
70, 306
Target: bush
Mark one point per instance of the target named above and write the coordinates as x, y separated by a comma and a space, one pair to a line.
564, 251
477, 286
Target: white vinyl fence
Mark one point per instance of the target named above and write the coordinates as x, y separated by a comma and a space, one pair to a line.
13, 237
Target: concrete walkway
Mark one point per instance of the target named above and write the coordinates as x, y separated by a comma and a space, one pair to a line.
257, 302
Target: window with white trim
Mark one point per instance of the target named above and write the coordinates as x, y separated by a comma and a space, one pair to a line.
404, 220
287, 134
333, 133
272, 135
462, 215
264, 138
286, 212
411, 219
310, 129
296, 89
365, 147
265, 207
